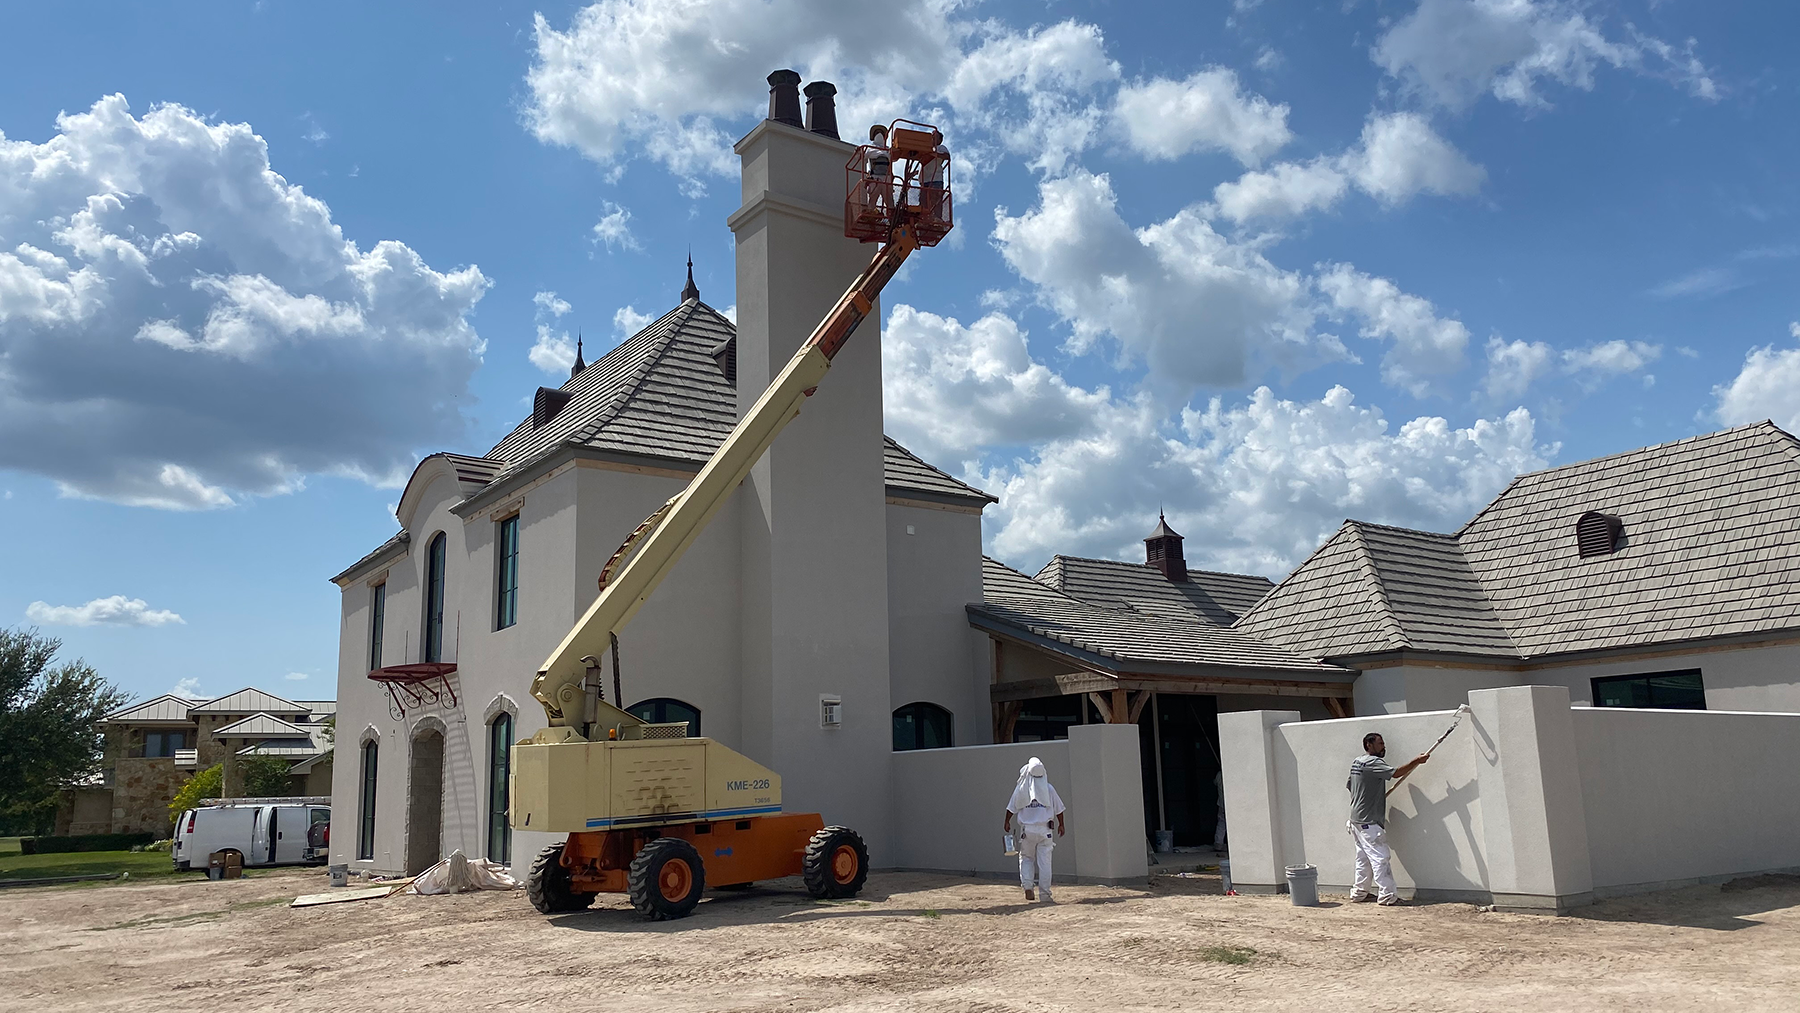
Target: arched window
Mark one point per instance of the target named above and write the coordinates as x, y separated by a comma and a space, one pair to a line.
663, 708
434, 600
922, 726
500, 740
365, 833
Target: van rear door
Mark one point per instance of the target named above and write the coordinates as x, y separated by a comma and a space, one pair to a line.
290, 825
262, 837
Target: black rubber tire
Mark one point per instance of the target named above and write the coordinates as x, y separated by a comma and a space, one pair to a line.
818, 867
547, 884
645, 879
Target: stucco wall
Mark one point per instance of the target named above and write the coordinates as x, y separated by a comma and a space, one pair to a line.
934, 570
1680, 795
949, 805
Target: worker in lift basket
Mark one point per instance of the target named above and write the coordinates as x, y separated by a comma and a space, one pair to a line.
1036, 804
880, 181
1369, 776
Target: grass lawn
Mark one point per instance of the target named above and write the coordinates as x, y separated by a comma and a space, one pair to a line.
9, 845
140, 864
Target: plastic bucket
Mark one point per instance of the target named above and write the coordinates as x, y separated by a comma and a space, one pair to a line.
340, 875
1225, 873
1303, 885
1165, 841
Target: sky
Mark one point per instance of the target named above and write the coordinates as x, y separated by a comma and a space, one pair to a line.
1261, 265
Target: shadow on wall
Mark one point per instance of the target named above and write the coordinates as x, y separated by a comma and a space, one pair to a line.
1426, 830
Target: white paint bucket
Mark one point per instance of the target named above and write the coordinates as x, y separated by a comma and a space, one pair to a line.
1303, 885
1165, 842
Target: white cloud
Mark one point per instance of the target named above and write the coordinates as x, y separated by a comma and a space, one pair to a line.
1397, 157
1254, 487
296, 676
1514, 366
1425, 345
547, 302
1199, 309
730, 313
628, 321
117, 610
188, 688
1707, 281
614, 228
1453, 51
1208, 111
1767, 387
181, 327
952, 390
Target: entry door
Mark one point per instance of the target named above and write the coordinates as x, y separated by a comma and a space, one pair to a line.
1180, 735
425, 803
290, 834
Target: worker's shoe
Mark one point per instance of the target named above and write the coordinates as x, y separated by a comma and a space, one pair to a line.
1362, 898
1031, 895
1393, 901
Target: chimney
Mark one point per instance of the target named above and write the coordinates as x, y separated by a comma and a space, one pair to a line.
784, 98
821, 109
1163, 551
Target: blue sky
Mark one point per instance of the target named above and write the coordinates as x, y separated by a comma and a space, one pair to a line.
1265, 265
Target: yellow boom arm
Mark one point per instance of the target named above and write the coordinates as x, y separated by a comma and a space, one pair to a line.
661, 544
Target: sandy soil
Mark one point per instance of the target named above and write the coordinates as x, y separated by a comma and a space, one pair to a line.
912, 942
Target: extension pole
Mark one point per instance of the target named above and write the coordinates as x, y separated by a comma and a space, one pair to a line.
1460, 711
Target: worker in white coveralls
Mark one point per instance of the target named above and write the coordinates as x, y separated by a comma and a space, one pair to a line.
1369, 777
1036, 804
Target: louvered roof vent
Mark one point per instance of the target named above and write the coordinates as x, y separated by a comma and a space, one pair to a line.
1598, 534
548, 402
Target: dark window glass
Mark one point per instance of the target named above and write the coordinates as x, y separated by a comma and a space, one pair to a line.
500, 739
1049, 717
506, 597
922, 726
664, 709
434, 600
377, 624
1665, 690
365, 838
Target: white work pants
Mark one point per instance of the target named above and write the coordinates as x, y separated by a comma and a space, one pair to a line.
1372, 860
1035, 844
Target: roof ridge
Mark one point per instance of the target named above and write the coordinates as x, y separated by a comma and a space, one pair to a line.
1126, 562
140, 704
1373, 572
1396, 527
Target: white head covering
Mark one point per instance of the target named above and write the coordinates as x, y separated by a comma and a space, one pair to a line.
1034, 786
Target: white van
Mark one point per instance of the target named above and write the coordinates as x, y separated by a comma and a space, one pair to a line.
263, 831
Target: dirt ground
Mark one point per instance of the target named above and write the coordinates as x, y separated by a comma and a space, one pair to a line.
912, 942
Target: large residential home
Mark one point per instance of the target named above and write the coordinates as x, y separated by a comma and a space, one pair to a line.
153, 746
1662, 577
815, 624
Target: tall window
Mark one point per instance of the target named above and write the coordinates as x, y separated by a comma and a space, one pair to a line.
500, 739
377, 623
506, 590
365, 836
662, 708
921, 726
434, 600
1671, 690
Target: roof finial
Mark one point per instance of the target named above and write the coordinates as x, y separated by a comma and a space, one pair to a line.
691, 291
576, 369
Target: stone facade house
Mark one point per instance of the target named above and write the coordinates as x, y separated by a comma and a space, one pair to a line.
151, 748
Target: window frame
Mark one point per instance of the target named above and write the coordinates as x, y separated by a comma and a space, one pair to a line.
659, 707
365, 829
499, 830
916, 710
1649, 688
377, 623
506, 572
437, 558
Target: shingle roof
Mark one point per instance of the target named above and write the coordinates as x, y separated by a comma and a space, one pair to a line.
1711, 548
394, 547
906, 473
248, 701
1219, 598
165, 708
1121, 639
261, 726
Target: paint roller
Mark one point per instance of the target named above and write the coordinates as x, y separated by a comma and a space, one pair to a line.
1460, 711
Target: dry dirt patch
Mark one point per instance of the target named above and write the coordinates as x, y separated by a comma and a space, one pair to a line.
912, 942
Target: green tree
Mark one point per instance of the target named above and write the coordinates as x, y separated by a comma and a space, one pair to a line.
204, 784
49, 733
267, 777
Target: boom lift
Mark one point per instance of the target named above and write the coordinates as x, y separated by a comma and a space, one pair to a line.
641, 802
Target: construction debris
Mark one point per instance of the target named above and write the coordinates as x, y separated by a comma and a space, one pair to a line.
460, 874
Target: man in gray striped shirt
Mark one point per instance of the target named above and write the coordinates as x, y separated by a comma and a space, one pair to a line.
1369, 776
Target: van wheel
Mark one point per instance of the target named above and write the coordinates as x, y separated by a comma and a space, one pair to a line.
548, 885
666, 879
836, 863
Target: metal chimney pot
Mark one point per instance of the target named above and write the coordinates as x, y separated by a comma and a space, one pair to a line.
821, 109
784, 98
